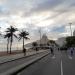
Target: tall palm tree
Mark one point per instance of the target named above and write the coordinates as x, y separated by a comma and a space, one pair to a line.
11, 31
23, 35
8, 35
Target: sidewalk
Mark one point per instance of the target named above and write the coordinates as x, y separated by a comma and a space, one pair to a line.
4, 59
14, 67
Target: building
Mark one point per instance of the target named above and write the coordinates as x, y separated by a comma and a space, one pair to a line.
43, 42
61, 41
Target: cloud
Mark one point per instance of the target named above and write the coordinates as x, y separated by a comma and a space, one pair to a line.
50, 15
47, 5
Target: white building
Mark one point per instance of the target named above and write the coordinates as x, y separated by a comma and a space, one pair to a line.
61, 41
43, 41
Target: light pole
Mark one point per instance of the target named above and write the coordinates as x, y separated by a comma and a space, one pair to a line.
40, 35
70, 28
0, 31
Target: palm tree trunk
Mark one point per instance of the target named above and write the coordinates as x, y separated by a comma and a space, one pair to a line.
10, 47
23, 43
7, 45
10, 44
24, 50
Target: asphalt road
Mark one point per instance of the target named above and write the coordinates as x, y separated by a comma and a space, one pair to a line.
60, 64
68, 64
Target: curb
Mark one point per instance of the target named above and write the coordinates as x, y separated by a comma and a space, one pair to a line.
18, 69
19, 58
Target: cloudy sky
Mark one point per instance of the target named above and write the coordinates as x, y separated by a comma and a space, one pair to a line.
52, 16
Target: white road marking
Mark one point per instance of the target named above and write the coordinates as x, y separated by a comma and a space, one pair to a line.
70, 57
61, 68
53, 57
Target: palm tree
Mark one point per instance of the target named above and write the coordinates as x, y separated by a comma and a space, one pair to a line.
8, 35
23, 35
11, 32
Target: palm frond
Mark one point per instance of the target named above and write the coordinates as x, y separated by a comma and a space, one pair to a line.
23, 34
15, 35
26, 38
19, 38
8, 35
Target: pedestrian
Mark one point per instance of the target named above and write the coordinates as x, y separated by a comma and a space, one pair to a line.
24, 51
72, 51
58, 49
52, 52
49, 49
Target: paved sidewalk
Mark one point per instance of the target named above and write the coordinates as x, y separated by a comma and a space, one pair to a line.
12, 68
4, 59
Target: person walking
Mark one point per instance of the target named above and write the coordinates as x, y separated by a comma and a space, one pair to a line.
72, 51
52, 52
24, 51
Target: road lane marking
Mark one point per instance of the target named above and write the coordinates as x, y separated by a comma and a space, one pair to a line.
70, 57
61, 68
53, 57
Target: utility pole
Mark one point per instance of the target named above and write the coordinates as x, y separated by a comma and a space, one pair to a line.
0, 30
70, 28
40, 35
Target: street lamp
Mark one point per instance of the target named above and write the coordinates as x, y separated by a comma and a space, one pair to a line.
70, 28
40, 35
0, 31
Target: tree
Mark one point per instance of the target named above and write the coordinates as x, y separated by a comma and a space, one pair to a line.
8, 35
10, 32
70, 41
23, 35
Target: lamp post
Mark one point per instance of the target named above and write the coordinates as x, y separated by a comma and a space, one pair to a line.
40, 35
70, 28
0, 31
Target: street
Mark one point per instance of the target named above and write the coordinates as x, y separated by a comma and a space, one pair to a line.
60, 64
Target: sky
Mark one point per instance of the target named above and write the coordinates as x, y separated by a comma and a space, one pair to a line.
51, 16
